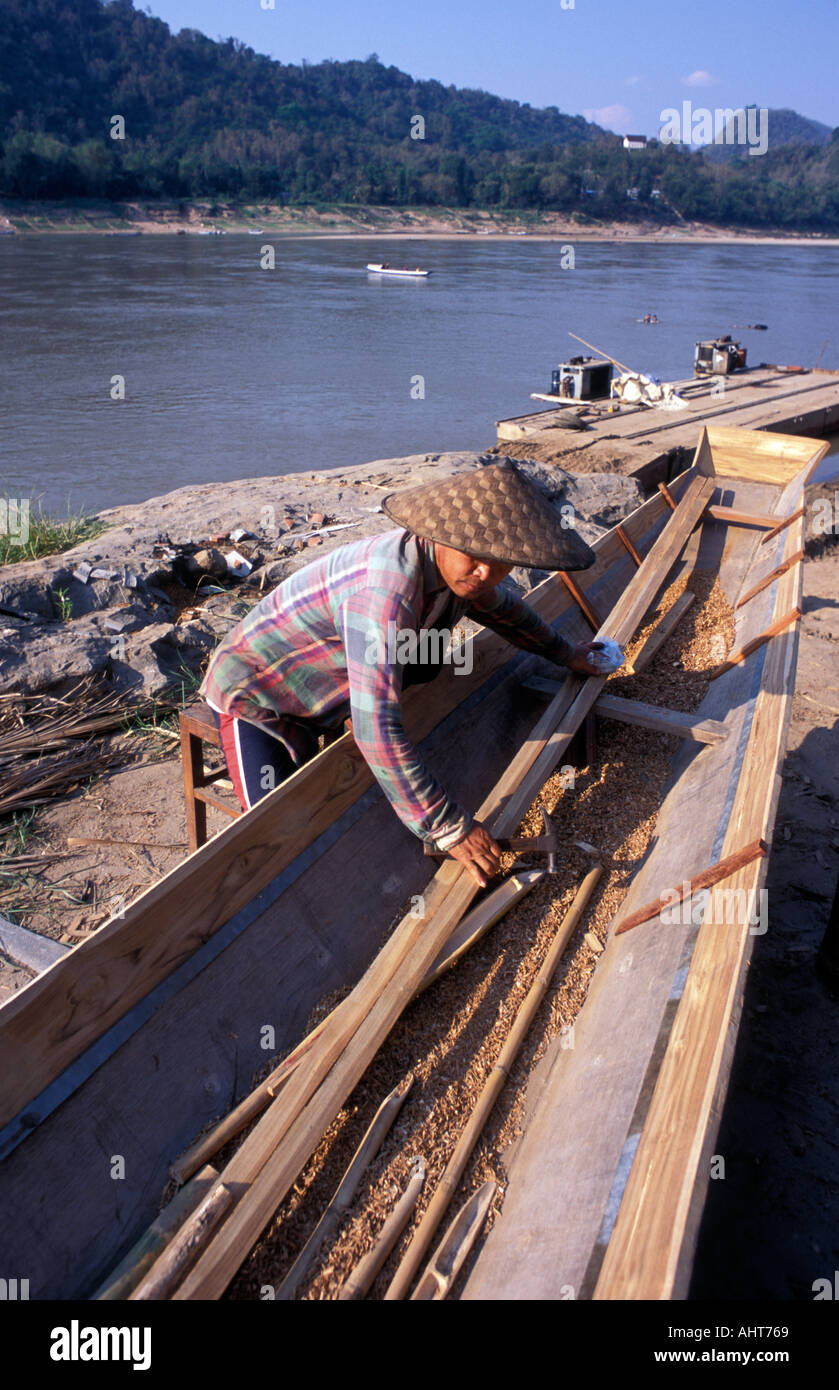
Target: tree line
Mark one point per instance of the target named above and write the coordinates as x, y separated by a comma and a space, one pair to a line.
203, 118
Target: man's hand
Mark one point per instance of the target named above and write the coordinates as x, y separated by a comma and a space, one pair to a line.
480, 854
580, 660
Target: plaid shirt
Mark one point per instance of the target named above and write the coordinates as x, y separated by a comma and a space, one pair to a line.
321, 646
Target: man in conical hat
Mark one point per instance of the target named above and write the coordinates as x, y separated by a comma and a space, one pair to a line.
340, 638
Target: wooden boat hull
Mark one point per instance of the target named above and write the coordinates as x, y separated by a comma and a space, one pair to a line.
116, 1057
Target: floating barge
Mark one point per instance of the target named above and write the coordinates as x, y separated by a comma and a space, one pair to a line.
656, 445
129, 1045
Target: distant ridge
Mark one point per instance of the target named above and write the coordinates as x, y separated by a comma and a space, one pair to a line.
784, 127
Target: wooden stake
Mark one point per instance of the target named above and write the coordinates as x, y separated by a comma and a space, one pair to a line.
668, 496
581, 601
368, 1267
622, 536
732, 518
661, 719
591, 737
782, 525
735, 658
447, 1260
661, 632
469, 930
168, 1271
770, 578
361, 1159
706, 879
454, 1169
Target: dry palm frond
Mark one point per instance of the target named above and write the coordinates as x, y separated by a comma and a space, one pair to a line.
37, 723
32, 782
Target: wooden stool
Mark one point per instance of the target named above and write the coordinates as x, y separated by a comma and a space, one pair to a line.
198, 726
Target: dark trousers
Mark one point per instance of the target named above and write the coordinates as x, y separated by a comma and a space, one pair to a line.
257, 762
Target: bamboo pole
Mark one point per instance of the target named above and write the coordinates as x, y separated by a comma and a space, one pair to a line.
140, 1258
469, 930
599, 353
368, 1267
454, 1170
447, 1260
168, 1271
347, 1188
478, 922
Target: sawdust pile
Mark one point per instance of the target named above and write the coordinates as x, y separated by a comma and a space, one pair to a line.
451, 1035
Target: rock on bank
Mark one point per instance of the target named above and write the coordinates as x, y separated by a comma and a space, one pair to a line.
144, 603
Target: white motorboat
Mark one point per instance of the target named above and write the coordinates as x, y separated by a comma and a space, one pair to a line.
385, 269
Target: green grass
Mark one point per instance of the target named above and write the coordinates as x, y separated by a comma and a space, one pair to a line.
17, 832
62, 603
42, 534
163, 715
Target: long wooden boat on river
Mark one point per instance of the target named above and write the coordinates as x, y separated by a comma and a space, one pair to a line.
116, 1057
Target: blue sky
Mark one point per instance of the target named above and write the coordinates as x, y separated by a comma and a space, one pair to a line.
618, 62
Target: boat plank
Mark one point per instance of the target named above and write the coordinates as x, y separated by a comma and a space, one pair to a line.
655, 1231
661, 632
661, 719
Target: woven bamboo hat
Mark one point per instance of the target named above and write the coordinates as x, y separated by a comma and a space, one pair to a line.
493, 513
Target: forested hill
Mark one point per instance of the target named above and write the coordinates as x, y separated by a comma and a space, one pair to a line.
204, 116
215, 119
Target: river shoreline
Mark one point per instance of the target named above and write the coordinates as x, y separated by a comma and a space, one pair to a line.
362, 223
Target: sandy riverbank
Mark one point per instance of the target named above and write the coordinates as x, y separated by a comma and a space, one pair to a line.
361, 222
